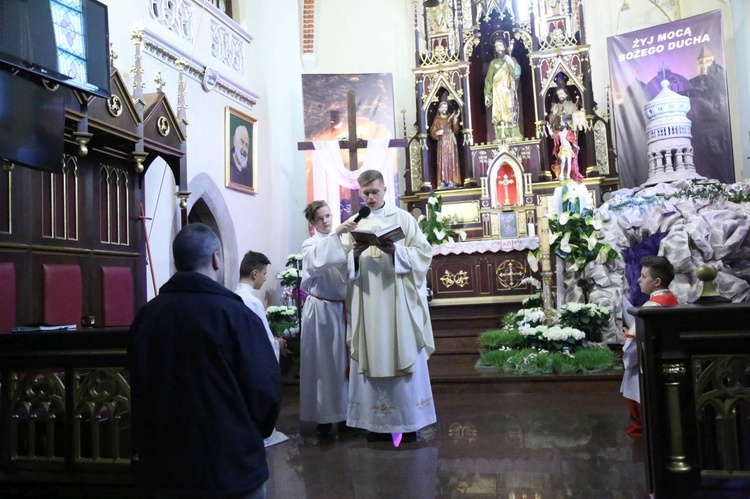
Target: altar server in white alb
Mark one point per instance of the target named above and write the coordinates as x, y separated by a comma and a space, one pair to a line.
323, 351
253, 272
391, 335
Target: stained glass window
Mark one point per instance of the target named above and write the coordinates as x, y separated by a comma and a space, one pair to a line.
67, 16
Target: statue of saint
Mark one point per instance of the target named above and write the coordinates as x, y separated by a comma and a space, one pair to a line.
566, 151
444, 129
565, 139
439, 17
562, 110
500, 92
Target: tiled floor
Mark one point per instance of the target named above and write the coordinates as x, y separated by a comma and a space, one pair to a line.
485, 445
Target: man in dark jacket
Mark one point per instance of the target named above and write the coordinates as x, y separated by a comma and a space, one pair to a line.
205, 384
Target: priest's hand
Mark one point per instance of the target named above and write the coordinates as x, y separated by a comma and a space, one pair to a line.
388, 247
358, 249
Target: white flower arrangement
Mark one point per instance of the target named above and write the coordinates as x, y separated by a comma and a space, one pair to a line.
587, 317
288, 277
535, 298
531, 281
294, 260
436, 226
574, 238
282, 319
589, 308
529, 316
551, 333
557, 333
281, 310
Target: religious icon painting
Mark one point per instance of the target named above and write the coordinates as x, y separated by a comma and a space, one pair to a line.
508, 224
241, 161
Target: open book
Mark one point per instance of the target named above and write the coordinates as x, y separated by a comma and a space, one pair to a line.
40, 326
391, 233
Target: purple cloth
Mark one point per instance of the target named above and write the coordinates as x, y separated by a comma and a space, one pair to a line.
648, 247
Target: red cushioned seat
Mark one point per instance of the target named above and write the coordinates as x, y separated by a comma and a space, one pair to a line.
62, 300
117, 296
7, 296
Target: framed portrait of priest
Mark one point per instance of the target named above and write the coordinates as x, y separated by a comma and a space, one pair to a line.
241, 162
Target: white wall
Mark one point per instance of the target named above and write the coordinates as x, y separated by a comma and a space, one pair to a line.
271, 220
275, 224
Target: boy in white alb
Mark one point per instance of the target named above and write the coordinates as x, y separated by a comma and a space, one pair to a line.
324, 385
253, 271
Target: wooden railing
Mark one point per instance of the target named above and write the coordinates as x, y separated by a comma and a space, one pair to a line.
64, 408
695, 389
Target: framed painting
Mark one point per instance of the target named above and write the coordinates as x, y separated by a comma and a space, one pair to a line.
240, 143
508, 224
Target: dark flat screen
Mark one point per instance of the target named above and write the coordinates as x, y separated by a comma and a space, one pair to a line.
33, 121
63, 40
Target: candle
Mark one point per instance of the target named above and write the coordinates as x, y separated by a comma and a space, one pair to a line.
532, 230
541, 215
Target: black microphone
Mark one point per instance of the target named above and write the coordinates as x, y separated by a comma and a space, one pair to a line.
364, 212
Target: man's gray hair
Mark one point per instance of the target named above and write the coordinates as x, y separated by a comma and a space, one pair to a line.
194, 247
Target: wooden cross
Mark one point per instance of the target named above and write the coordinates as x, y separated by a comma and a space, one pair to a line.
353, 143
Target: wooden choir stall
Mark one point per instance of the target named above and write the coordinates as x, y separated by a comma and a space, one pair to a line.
72, 252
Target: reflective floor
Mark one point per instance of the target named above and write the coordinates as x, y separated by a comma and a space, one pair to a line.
485, 445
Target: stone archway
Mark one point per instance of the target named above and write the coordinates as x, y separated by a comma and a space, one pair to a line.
207, 205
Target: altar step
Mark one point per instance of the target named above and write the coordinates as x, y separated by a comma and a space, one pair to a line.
452, 366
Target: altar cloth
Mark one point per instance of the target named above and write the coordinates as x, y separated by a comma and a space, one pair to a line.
485, 246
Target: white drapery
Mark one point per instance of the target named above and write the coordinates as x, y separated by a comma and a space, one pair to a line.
329, 172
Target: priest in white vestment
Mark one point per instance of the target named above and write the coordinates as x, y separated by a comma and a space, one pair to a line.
323, 351
390, 335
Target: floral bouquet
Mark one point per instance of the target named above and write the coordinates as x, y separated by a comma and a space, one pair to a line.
535, 300
436, 226
554, 338
588, 318
289, 279
283, 320
573, 237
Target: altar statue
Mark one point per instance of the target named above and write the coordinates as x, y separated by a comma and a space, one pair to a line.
500, 91
562, 110
444, 129
566, 151
566, 148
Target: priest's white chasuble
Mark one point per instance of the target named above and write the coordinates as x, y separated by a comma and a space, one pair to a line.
390, 334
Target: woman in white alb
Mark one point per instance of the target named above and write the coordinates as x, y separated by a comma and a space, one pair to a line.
323, 351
